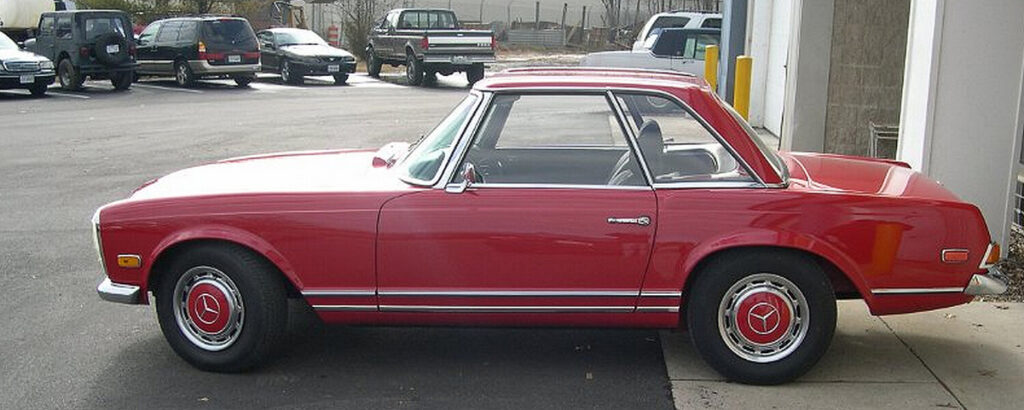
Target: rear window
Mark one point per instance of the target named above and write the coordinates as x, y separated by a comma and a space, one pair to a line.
427, 20
668, 22
228, 34
98, 26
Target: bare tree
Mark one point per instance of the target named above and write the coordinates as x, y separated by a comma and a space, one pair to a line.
359, 18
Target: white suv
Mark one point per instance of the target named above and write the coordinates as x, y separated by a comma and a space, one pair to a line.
676, 19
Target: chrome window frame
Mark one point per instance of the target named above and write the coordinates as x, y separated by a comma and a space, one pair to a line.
462, 148
472, 120
757, 182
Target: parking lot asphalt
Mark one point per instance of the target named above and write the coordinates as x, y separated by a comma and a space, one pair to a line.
64, 155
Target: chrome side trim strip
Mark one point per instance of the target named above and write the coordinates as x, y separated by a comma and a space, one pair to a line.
504, 309
657, 309
661, 294
511, 293
338, 293
905, 291
346, 308
563, 186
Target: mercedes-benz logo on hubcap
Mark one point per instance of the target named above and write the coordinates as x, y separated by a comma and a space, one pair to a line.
207, 309
763, 318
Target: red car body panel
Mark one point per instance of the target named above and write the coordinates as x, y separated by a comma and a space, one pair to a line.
364, 247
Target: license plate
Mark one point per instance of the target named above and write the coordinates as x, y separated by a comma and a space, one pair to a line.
460, 60
27, 79
113, 49
333, 68
234, 59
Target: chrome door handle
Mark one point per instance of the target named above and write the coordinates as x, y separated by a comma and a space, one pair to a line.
641, 220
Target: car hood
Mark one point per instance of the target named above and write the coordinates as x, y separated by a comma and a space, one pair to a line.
289, 172
315, 50
842, 173
20, 55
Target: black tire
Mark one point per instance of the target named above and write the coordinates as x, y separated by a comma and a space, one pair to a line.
413, 69
475, 73
288, 76
730, 309
340, 79
69, 77
196, 279
38, 89
107, 58
373, 64
123, 80
183, 75
243, 80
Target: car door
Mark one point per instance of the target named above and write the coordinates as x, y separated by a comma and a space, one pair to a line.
691, 59
64, 36
44, 44
269, 58
146, 49
167, 48
545, 228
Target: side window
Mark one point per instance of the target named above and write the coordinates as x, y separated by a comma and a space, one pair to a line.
169, 32
46, 25
148, 35
669, 43
552, 139
712, 23
188, 31
675, 145
695, 45
63, 30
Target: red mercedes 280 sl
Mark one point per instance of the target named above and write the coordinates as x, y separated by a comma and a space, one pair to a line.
549, 197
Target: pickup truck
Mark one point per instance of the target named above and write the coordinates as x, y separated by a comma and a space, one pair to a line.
428, 42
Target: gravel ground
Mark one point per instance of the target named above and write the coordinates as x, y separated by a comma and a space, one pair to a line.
1013, 267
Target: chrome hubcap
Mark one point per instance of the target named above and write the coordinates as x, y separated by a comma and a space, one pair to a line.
763, 318
285, 71
208, 308
182, 75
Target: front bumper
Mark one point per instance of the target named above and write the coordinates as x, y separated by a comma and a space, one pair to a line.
202, 67
314, 69
992, 283
14, 80
119, 292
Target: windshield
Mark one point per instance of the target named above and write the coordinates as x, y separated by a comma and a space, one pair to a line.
292, 37
6, 43
769, 152
428, 155
228, 34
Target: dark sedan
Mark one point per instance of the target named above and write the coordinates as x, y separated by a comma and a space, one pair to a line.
296, 53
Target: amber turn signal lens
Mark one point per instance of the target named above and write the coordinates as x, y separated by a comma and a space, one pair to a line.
955, 255
129, 261
993, 254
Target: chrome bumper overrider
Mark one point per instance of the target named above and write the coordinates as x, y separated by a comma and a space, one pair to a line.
118, 293
993, 283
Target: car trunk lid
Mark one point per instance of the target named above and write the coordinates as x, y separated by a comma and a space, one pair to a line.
841, 173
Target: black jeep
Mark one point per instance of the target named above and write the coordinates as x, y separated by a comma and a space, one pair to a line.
87, 43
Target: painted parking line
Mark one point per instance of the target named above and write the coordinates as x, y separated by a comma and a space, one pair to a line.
160, 87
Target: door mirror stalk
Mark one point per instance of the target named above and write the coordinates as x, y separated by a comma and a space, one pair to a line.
468, 178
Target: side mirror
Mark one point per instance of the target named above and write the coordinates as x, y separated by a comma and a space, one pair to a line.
468, 178
21, 45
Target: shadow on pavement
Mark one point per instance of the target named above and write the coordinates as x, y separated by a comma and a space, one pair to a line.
367, 367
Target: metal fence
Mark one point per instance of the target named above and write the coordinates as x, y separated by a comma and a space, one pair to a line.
540, 38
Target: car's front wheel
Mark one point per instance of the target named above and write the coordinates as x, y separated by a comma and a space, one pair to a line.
222, 308
340, 79
373, 64
761, 317
38, 89
69, 77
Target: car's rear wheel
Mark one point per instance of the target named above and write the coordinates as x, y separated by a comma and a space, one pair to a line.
413, 69
243, 80
475, 73
429, 77
373, 64
340, 79
761, 317
69, 77
183, 75
122, 81
222, 308
38, 89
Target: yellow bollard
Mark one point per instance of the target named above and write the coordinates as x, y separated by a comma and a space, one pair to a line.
711, 66
741, 96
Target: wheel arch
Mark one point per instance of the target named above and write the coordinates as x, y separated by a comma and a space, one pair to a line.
174, 245
841, 271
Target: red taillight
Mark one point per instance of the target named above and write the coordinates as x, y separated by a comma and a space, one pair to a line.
84, 51
494, 43
210, 56
424, 43
251, 54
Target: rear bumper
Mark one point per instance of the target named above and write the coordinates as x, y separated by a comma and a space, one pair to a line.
119, 292
458, 59
992, 283
91, 69
202, 67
